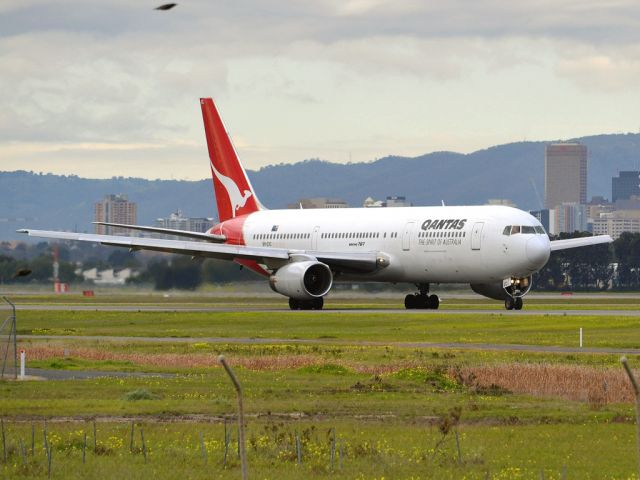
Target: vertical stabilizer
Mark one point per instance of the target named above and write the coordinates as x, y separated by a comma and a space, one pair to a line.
234, 194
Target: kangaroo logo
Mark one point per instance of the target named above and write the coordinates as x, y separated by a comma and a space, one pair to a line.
236, 199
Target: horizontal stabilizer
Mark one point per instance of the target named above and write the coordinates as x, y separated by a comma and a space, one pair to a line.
209, 237
579, 242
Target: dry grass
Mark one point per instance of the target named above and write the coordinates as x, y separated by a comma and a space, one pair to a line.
168, 360
598, 386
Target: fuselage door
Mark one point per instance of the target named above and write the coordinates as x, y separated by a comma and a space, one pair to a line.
409, 228
476, 235
314, 238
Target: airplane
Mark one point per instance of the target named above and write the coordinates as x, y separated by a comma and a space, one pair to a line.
495, 249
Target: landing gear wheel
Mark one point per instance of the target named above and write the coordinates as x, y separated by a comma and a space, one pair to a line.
518, 303
317, 303
509, 303
423, 301
295, 304
313, 304
433, 302
410, 302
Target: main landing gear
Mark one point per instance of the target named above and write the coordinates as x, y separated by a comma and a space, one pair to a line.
422, 299
513, 303
313, 304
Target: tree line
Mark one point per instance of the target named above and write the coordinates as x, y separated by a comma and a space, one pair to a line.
599, 267
613, 266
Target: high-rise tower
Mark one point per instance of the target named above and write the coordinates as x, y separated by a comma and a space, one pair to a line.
565, 174
115, 209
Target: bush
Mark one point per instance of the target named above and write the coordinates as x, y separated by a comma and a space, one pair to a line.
140, 394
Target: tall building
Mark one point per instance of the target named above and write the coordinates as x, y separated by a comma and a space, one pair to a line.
115, 209
565, 174
568, 217
177, 221
625, 185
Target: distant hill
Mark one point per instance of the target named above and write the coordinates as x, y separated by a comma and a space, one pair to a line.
504, 171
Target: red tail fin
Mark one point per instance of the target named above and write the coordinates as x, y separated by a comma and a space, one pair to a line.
234, 193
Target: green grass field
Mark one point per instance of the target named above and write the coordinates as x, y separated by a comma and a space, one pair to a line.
500, 327
448, 301
394, 408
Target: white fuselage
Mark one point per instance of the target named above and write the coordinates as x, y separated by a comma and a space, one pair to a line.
423, 244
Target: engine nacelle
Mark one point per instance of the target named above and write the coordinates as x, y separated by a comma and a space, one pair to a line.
509, 288
302, 280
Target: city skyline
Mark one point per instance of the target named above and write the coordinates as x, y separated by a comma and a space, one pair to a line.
100, 90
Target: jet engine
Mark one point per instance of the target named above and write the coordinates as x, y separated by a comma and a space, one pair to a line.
508, 288
302, 280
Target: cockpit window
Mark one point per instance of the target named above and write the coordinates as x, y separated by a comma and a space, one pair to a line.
525, 229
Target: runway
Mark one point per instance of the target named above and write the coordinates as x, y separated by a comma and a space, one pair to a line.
428, 345
329, 310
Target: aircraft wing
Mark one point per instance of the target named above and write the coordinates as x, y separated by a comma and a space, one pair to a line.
209, 237
579, 242
347, 261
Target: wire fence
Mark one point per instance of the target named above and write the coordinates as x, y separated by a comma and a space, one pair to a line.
8, 340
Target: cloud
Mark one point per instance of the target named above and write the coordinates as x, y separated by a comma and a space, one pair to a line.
598, 69
119, 73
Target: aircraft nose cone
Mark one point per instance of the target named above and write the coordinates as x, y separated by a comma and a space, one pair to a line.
538, 251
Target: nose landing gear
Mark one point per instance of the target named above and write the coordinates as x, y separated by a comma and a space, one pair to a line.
515, 288
513, 303
422, 299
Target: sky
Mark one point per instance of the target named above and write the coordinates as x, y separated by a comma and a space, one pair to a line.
111, 88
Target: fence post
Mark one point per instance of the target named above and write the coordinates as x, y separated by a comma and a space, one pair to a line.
44, 435
298, 449
144, 445
227, 438
14, 328
236, 384
458, 445
50, 460
12, 333
636, 392
4, 442
333, 446
203, 449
